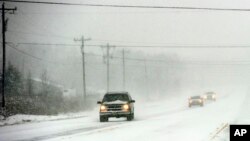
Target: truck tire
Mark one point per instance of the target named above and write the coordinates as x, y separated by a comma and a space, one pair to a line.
103, 119
133, 115
130, 117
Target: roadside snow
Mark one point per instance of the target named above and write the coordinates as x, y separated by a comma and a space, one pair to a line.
21, 119
241, 116
168, 119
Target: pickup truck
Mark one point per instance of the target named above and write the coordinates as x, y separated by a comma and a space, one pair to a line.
116, 104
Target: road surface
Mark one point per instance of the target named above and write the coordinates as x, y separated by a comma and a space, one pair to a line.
170, 120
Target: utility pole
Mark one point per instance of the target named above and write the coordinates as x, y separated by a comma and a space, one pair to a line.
4, 29
123, 64
146, 77
108, 57
145, 69
83, 65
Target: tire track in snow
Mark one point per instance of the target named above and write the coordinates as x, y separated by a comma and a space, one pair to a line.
106, 127
70, 132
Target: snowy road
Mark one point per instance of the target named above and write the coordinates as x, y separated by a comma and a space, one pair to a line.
168, 120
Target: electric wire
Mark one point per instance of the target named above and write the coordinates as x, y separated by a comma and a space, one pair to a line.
128, 6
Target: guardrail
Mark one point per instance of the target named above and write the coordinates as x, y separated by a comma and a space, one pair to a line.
218, 130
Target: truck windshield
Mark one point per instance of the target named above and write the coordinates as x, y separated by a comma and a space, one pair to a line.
195, 97
114, 97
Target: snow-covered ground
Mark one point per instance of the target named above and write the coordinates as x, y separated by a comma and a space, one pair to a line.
21, 119
169, 119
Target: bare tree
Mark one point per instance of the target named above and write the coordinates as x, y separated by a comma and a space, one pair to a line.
45, 83
29, 83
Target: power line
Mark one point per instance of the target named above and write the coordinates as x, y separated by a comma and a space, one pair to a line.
30, 55
129, 6
38, 34
240, 62
178, 62
179, 46
44, 28
141, 46
39, 58
57, 63
48, 44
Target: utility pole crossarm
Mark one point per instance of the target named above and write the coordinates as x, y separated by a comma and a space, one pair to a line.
82, 40
9, 9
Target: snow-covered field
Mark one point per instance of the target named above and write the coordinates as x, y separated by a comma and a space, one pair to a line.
169, 119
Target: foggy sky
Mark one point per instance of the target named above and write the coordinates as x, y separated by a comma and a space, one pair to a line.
138, 26
131, 26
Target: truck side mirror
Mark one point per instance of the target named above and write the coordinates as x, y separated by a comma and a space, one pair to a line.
99, 102
132, 101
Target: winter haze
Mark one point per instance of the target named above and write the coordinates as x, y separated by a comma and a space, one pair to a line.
160, 56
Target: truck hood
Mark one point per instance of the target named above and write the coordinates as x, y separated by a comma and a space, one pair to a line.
116, 102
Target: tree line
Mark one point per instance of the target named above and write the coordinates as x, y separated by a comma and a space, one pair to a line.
26, 95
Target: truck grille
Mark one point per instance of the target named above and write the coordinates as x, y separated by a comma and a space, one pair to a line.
114, 107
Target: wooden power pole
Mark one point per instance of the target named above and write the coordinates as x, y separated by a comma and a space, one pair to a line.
108, 57
4, 29
82, 40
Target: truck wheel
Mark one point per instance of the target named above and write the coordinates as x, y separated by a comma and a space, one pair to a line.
103, 119
129, 117
133, 115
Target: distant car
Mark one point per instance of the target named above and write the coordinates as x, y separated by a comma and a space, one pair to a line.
210, 96
116, 104
195, 100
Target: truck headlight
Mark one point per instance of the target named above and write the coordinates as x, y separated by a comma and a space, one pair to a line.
103, 108
125, 107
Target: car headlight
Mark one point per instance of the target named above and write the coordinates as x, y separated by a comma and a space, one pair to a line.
200, 100
213, 96
125, 107
103, 108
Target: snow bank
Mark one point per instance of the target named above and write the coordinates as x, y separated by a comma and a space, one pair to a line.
20, 119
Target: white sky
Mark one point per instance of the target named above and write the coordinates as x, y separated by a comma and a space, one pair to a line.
130, 26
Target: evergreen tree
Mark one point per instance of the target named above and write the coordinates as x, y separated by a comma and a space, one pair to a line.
13, 81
